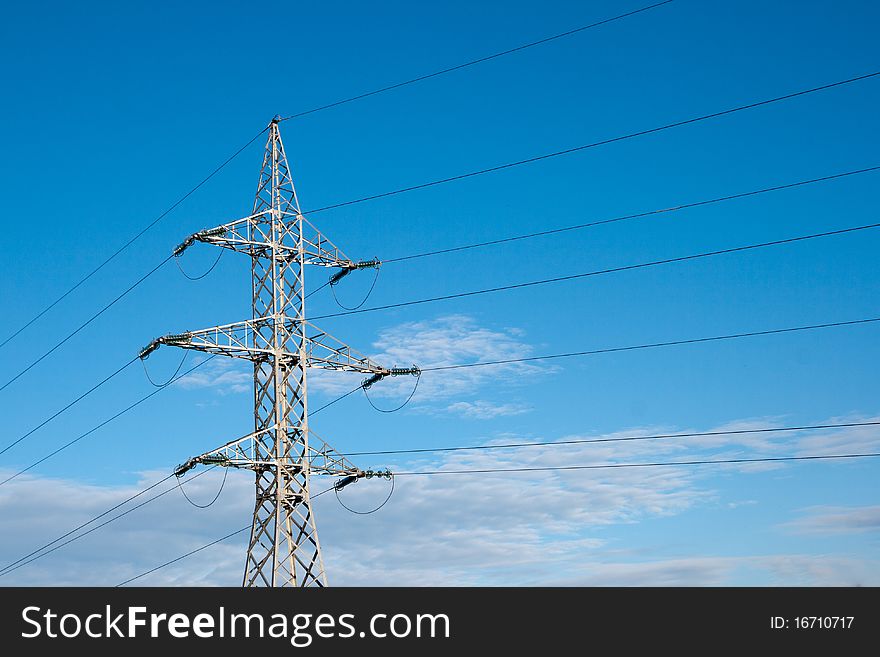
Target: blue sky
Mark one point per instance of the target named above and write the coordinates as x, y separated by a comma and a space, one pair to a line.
117, 109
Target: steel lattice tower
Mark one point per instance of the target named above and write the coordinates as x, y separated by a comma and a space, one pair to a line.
282, 345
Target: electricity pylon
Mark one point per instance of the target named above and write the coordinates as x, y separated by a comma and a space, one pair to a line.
282, 450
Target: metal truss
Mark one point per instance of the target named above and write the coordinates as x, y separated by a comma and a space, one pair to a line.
242, 453
241, 340
282, 451
250, 236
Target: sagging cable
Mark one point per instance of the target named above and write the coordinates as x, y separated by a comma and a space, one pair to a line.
368, 474
375, 263
171, 378
201, 236
394, 371
216, 497
200, 276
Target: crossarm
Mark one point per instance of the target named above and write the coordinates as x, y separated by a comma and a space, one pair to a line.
240, 453
253, 235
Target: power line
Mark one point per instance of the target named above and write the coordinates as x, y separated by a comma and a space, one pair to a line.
640, 265
15, 564
24, 561
653, 345
62, 410
102, 424
199, 549
425, 185
86, 323
639, 215
617, 439
615, 465
340, 398
214, 499
601, 272
610, 140
337, 103
468, 175
113, 508
318, 289
184, 556
565, 355
472, 62
608, 350
132, 240
544, 469
605, 466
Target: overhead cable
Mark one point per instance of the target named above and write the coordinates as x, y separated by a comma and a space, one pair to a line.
657, 464
618, 439
627, 217
606, 271
473, 62
602, 142
132, 240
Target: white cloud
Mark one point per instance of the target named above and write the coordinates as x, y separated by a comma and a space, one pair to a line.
448, 340
837, 520
225, 375
820, 570
739, 503
481, 409
541, 527
451, 529
36, 510
845, 440
761, 570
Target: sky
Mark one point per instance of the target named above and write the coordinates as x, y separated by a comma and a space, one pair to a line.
115, 110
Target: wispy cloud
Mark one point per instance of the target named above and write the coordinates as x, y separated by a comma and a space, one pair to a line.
481, 409
225, 375
29, 518
829, 520
542, 527
761, 570
448, 340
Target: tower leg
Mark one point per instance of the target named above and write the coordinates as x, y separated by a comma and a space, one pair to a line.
283, 548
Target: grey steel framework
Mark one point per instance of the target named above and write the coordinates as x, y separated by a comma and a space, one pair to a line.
282, 450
